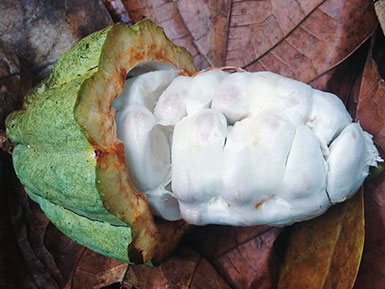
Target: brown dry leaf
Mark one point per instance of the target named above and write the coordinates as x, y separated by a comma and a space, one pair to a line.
40, 31
371, 102
326, 252
170, 233
370, 110
341, 79
324, 39
244, 256
185, 268
372, 270
299, 39
96, 271
199, 26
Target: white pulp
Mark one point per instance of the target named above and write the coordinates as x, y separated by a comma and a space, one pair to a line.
239, 149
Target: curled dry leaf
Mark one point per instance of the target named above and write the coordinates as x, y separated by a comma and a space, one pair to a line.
56, 27
326, 252
370, 111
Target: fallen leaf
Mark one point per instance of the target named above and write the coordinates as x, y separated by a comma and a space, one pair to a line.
370, 111
371, 102
327, 36
41, 31
326, 252
185, 268
96, 271
269, 22
170, 233
258, 35
199, 26
341, 79
244, 256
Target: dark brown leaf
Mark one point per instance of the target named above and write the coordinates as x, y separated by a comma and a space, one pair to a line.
371, 102
96, 271
40, 31
370, 111
341, 79
185, 268
244, 256
170, 234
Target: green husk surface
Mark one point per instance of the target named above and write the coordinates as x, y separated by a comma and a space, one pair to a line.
68, 156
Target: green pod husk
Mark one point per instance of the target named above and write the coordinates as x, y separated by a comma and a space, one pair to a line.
68, 156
